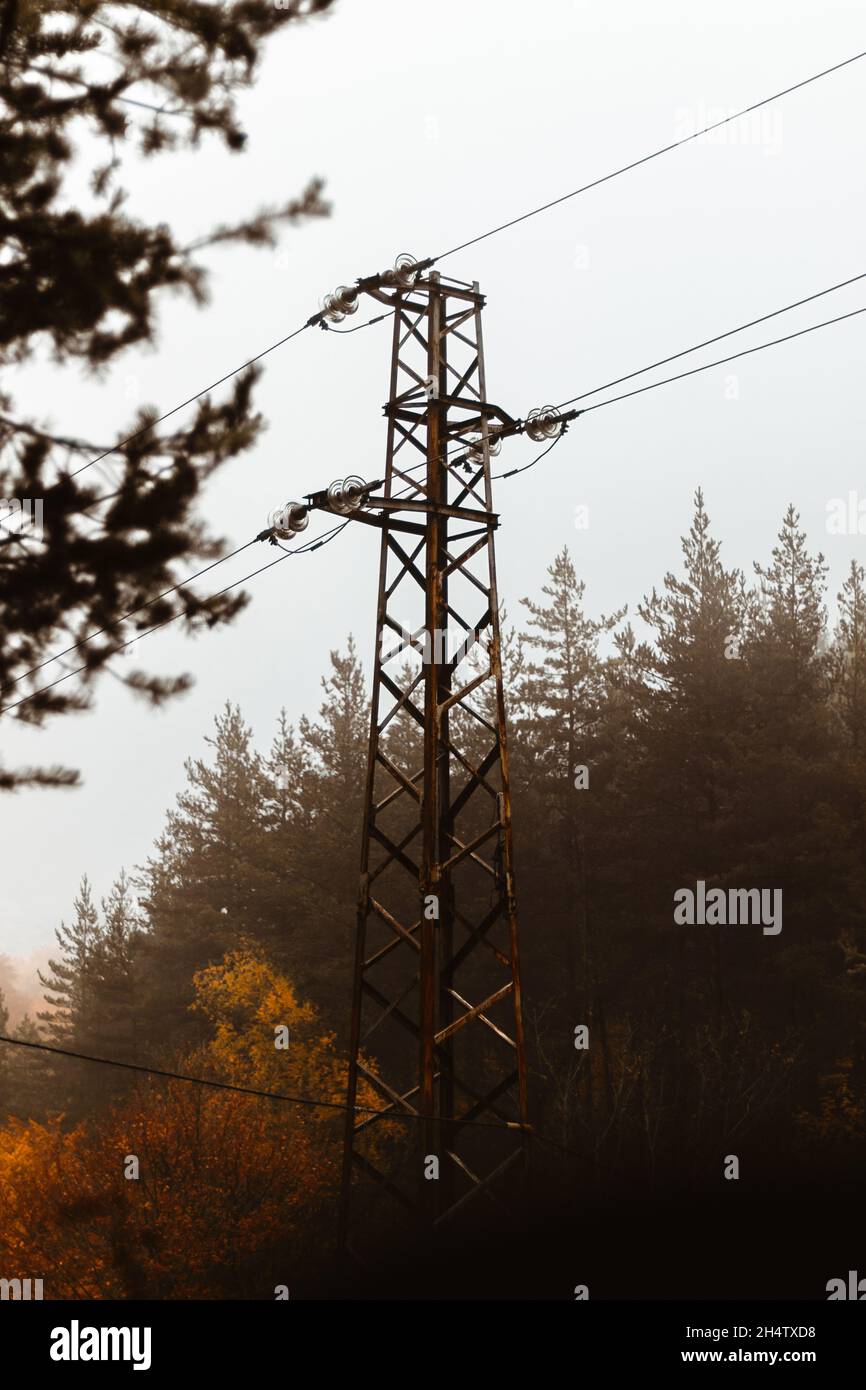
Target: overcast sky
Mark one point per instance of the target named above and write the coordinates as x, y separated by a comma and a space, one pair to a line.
430, 124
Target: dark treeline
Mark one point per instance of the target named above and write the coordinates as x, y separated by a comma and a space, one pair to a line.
726, 744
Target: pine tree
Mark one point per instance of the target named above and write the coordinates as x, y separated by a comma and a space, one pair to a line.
207, 886
791, 619
849, 659
789, 730
4, 1058
113, 1026
563, 693
692, 701
70, 984
847, 664
566, 686
338, 742
70, 995
256, 849
294, 887
561, 700
38, 1085
287, 769
84, 277
337, 745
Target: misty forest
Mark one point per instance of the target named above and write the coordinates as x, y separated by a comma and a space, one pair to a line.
725, 745
711, 733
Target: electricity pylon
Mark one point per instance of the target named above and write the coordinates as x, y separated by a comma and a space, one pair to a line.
436, 1026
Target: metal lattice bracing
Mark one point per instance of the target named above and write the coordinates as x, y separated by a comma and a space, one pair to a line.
436, 1026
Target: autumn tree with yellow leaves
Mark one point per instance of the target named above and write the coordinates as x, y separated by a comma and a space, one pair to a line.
233, 1194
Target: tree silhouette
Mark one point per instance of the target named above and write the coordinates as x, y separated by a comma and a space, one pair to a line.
84, 283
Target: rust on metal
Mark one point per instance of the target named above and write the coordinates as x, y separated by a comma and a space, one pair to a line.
436, 1024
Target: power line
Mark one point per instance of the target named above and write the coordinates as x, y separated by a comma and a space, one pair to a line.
511, 473
694, 371
235, 371
101, 88
131, 612
309, 1101
323, 540
153, 423
661, 362
680, 376
484, 236
189, 401
499, 476
76, 670
473, 241
109, 496
720, 362
573, 1153
718, 338
380, 318
673, 357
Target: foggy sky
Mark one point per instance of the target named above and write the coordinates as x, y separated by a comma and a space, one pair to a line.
430, 124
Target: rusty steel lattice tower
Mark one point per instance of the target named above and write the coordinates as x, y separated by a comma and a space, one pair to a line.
437, 1027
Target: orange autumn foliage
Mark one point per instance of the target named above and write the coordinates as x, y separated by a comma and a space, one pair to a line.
235, 1192
841, 1113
